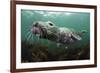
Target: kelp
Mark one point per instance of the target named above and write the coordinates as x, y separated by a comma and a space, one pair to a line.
36, 52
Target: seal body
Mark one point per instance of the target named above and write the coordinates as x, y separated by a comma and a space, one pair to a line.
48, 30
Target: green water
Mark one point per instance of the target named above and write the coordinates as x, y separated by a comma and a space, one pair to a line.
75, 20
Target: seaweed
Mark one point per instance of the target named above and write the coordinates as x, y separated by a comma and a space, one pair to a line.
36, 52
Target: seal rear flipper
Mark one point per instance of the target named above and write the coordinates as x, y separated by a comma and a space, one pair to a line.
76, 37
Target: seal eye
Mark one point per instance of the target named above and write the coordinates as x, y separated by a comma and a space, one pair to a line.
50, 24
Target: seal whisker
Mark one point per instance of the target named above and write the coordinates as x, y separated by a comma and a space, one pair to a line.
29, 37
27, 34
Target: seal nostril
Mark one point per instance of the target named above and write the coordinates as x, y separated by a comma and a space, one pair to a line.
36, 24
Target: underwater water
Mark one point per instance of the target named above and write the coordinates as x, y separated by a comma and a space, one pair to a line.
34, 49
